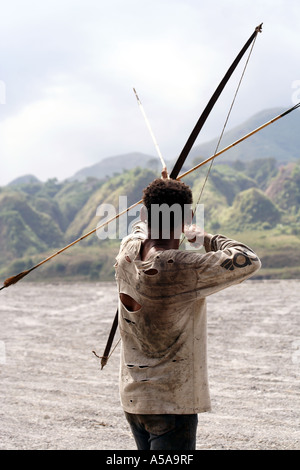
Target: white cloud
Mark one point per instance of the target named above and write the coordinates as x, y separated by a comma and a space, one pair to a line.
69, 68
50, 136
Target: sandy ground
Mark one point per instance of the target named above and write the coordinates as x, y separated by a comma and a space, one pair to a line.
54, 396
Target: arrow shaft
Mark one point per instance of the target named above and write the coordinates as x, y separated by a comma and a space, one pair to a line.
150, 130
10, 281
6, 283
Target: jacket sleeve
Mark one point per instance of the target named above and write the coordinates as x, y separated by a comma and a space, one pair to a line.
139, 231
226, 262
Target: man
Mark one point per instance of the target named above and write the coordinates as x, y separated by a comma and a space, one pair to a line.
162, 318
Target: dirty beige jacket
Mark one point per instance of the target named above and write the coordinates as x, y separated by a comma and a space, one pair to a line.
164, 344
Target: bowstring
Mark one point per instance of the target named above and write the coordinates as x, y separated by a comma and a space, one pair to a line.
223, 129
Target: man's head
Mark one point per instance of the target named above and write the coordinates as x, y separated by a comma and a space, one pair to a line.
168, 203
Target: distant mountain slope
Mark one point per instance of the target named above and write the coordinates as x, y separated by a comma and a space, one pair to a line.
280, 140
26, 179
116, 164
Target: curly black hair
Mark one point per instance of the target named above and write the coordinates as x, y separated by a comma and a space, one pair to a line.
167, 191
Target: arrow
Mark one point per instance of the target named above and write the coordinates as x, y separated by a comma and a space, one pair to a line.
150, 130
14, 279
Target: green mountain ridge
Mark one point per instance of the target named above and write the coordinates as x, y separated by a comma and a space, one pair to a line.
255, 202
252, 194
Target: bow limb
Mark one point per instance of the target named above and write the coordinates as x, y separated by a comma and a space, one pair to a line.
191, 140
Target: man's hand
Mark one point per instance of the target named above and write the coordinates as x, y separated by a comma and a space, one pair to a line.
194, 235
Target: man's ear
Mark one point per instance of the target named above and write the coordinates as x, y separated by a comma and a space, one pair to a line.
144, 214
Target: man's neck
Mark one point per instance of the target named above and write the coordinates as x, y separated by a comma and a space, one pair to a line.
149, 245
162, 243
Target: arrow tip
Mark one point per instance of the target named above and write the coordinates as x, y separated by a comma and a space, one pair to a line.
258, 28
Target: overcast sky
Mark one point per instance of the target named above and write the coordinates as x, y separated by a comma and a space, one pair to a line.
68, 68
